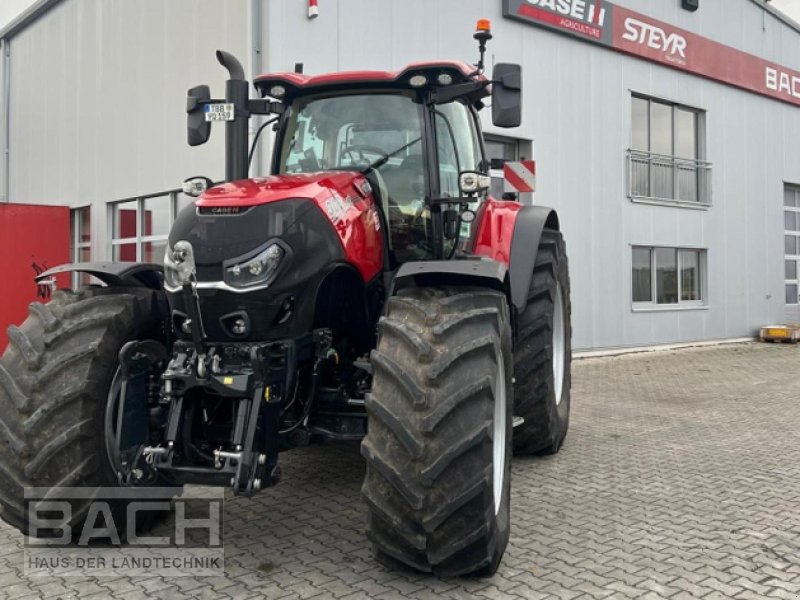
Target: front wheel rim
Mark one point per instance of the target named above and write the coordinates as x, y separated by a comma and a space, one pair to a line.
109, 421
499, 441
559, 344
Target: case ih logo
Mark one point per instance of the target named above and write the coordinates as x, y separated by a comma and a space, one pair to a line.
581, 17
617, 28
672, 44
222, 210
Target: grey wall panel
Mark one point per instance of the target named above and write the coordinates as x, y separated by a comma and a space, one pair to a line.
98, 90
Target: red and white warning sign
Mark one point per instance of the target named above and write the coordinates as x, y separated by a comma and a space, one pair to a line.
520, 176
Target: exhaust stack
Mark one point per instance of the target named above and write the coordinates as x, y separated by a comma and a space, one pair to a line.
236, 137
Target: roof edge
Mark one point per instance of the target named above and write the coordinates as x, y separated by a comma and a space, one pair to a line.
783, 17
27, 17
40, 7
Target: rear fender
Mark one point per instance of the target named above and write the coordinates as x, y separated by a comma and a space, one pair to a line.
530, 223
114, 274
510, 232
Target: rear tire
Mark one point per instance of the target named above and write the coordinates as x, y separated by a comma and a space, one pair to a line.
543, 353
438, 447
55, 377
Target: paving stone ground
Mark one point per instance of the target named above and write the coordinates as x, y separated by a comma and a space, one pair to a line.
680, 479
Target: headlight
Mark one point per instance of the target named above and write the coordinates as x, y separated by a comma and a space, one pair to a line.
179, 267
258, 270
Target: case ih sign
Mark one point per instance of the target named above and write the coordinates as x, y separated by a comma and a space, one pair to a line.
616, 27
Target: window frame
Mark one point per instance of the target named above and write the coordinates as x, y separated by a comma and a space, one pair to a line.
702, 281
701, 166
139, 240
77, 244
795, 209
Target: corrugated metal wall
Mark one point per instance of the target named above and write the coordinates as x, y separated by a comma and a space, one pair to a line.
98, 99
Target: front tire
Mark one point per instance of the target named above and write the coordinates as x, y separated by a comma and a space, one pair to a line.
438, 447
54, 381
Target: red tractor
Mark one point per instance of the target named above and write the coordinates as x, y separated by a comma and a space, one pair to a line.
368, 289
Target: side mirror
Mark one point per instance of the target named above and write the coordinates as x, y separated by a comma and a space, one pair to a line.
198, 129
473, 182
507, 95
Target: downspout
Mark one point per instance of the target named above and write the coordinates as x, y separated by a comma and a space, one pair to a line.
5, 118
256, 66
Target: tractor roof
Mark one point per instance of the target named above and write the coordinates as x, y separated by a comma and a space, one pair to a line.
295, 83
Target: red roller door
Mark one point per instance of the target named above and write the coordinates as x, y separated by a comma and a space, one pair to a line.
32, 238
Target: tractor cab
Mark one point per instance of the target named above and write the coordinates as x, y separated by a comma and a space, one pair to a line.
414, 134
391, 127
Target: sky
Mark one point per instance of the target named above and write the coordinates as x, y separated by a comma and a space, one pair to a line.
9, 9
789, 7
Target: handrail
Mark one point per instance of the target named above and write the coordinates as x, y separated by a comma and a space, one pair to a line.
668, 179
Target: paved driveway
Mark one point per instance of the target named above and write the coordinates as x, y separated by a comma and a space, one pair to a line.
680, 479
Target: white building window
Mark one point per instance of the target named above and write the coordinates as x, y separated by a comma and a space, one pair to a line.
665, 160
139, 227
664, 277
791, 242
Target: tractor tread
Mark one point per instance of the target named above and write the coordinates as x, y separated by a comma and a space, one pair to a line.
44, 314
545, 423
13, 391
407, 335
23, 344
444, 408
429, 444
54, 381
391, 474
397, 425
414, 392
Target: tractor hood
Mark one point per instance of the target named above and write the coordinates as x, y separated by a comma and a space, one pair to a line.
313, 186
336, 208
321, 221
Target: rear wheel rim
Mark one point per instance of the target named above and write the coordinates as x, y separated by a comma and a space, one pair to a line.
559, 344
499, 441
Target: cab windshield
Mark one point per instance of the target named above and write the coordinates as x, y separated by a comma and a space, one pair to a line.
355, 131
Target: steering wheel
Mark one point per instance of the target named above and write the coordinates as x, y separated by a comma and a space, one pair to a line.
361, 149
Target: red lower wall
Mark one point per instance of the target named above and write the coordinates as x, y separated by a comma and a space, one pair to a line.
32, 237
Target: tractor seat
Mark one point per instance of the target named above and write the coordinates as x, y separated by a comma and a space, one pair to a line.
406, 181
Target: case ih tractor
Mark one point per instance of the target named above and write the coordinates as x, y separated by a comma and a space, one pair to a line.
368, 289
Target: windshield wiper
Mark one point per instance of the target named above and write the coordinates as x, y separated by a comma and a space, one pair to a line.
384, 159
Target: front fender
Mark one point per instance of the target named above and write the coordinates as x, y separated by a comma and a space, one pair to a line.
114, 274
478, 271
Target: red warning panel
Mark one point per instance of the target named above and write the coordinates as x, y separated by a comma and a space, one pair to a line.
33, 238
520, 176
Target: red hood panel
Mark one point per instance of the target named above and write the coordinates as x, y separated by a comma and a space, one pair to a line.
263, 190
345, 197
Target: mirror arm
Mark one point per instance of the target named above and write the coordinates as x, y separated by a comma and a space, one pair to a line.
443, 95
265, 107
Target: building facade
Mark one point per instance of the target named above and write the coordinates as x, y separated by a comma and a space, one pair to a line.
666, 138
